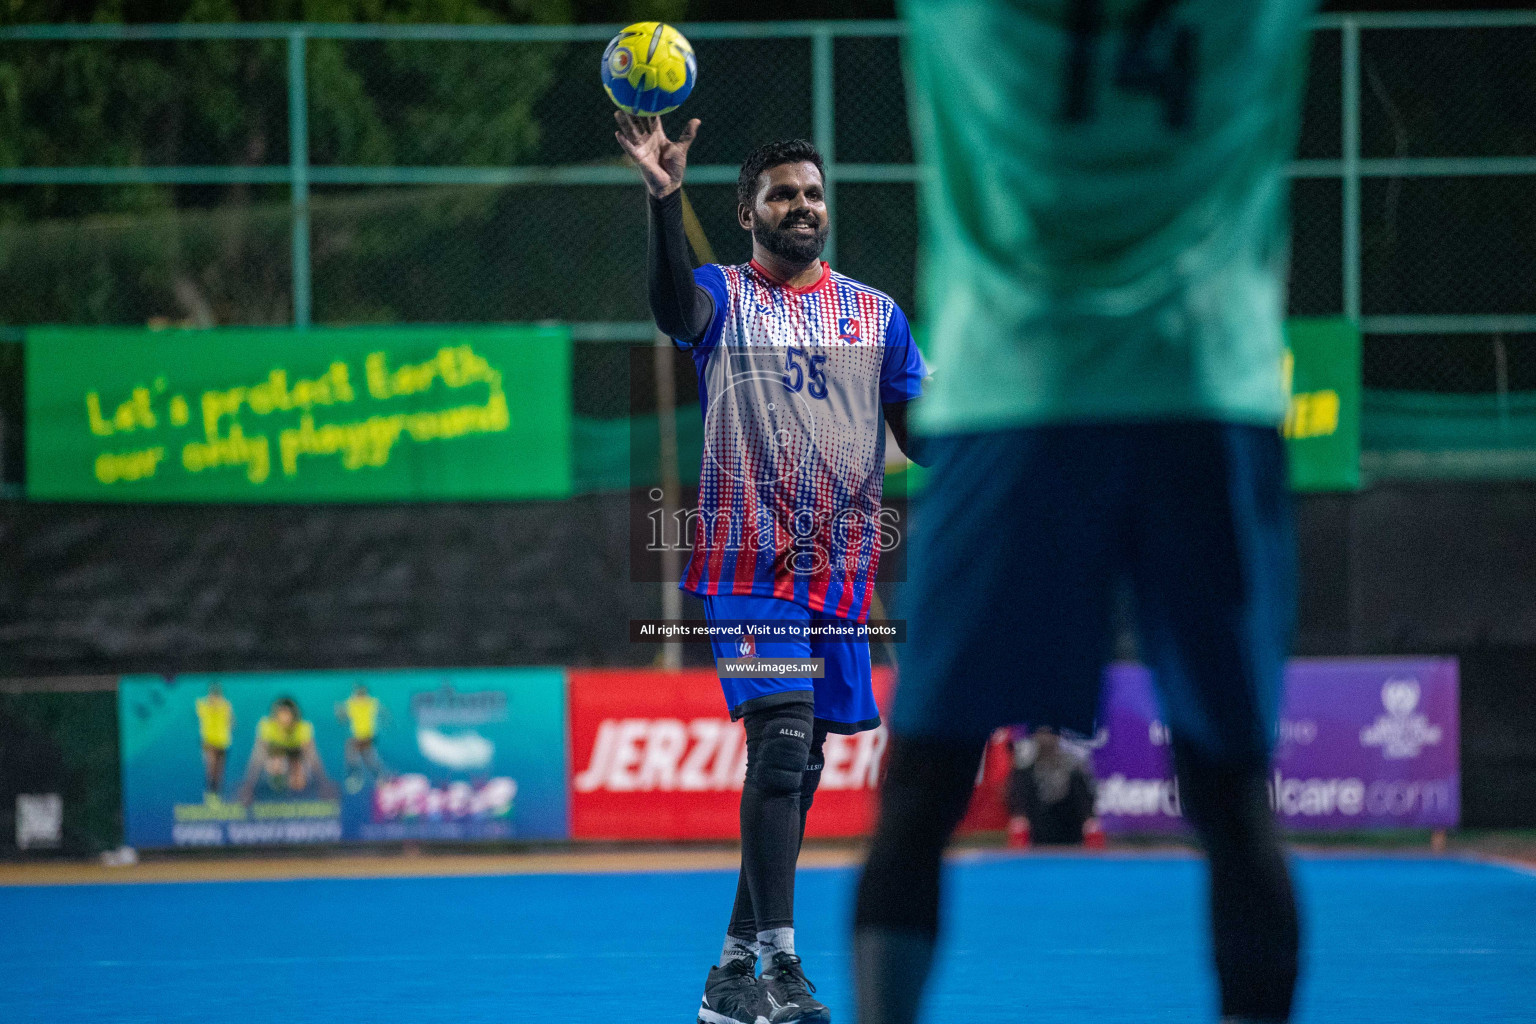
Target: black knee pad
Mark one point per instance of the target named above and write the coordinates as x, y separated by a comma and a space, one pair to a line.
778, 748
815, 762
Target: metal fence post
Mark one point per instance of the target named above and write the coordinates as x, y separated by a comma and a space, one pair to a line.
823, 128
1351, 166
298, 166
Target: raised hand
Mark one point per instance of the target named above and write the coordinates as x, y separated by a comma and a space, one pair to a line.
660, 159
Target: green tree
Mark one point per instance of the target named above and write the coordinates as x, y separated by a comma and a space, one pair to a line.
125, 253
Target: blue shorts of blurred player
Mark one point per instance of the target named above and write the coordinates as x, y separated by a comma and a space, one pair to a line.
844, 701
1020, 540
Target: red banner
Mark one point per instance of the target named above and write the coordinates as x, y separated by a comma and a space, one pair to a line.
655, 755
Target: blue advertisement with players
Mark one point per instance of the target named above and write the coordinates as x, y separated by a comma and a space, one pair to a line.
238, 759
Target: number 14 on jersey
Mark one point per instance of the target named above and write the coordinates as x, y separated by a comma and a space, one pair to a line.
1158, 59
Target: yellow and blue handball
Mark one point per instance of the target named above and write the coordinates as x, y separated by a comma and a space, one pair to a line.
649, 69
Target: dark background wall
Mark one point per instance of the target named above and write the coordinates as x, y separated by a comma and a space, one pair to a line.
103, 589
1394, 569
1439, 569
1413, 568
93, 589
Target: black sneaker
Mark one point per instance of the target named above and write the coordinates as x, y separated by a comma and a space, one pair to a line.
788, 993
732, 995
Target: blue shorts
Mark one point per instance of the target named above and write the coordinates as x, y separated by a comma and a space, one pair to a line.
844, 701
1021, 539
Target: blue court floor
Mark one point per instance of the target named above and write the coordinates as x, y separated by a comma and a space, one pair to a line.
1036, 939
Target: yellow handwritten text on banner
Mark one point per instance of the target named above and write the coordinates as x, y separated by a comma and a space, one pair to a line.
405, 414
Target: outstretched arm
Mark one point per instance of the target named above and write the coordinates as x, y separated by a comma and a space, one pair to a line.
682, 309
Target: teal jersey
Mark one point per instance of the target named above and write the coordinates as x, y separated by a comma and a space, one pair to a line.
1105, 231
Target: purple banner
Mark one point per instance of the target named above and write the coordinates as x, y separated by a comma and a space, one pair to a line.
1363, 743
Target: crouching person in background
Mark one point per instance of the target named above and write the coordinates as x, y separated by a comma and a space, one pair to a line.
1050, 795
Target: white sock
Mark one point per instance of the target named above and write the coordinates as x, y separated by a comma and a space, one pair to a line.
737, 949
776, 940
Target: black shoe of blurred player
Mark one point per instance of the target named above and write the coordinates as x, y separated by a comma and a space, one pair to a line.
788, 993
732, 995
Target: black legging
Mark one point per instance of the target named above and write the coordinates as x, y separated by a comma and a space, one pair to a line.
763, 817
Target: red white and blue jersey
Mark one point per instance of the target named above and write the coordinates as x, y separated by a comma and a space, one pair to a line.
791, 382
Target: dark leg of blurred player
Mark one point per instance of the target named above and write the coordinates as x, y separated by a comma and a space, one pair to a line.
1213, 565
1254, 930
1197, 515
1253, 911
896, 924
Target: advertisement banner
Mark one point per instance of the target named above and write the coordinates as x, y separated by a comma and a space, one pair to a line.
655, 755
1322, 426
253, 414
307, 757
1362, 744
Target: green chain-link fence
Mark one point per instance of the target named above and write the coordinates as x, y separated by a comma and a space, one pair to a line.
261, 174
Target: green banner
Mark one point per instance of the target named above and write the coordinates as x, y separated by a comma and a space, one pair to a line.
1322, 427
351, 414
